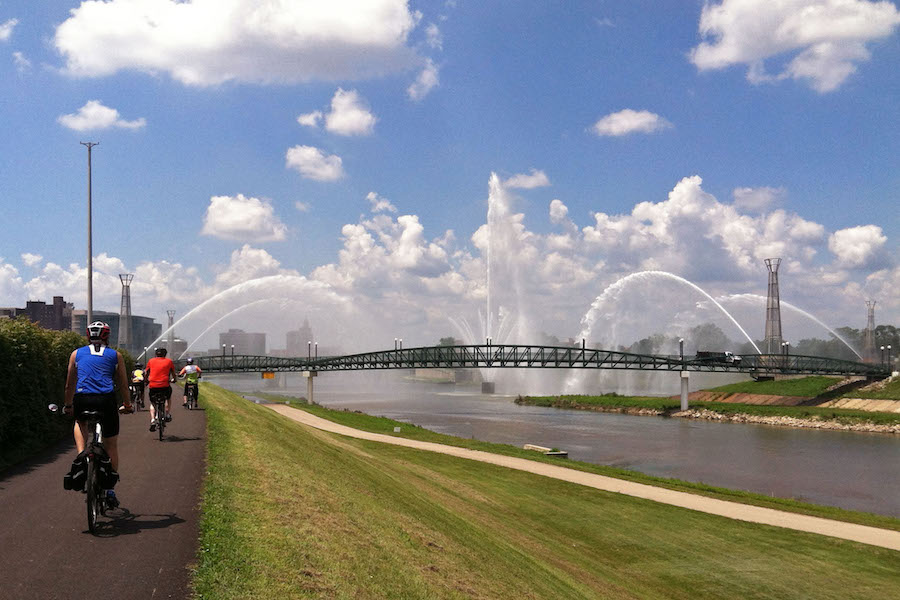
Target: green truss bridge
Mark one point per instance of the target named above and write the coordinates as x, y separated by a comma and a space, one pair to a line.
505, 356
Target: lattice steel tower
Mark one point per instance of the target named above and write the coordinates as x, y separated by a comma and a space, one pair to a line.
773, 309
869, 354
125, 339
170, 344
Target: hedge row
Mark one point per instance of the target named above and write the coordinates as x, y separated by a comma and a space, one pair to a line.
33, 364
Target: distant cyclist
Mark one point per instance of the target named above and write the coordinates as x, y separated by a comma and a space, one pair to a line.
160, 373
95, 372
137, 381
192, 374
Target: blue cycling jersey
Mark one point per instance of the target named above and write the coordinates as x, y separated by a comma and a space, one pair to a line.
96, 369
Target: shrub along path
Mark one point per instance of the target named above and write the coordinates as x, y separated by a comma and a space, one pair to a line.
144, 549
756, 514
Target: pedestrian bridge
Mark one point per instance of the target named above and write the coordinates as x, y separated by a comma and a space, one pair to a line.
507, 356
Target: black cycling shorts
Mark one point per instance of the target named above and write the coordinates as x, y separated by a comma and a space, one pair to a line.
106, 404
188, 385
165, 392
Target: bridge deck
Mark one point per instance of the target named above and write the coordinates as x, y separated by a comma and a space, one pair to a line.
538, 357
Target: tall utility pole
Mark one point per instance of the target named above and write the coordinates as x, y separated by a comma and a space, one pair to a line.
90, 264
773, 309
869, 336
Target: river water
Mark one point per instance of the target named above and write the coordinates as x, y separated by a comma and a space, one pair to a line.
858, 471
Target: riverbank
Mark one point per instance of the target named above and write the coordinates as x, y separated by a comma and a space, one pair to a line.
814, 417
319, 515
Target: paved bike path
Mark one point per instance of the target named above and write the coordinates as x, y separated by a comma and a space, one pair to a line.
144, 549
733, 510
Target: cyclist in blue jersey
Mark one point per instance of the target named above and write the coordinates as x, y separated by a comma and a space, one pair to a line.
96, 372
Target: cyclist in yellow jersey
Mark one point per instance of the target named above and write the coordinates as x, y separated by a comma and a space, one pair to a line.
137, 381
192, 375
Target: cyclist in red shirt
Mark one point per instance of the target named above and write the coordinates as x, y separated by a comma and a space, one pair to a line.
159, 373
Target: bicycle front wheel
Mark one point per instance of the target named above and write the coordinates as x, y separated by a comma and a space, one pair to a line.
93, 499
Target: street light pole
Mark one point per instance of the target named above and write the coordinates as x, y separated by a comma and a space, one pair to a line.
90, 264
308, 350
890, 367
317, 350
882, 355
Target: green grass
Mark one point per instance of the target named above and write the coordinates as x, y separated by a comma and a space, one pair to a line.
610, 401
364, 422
291, 512
807, 387
891, 391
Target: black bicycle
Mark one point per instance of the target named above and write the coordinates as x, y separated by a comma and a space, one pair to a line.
191, 392
137, 396
158, 399
96, 461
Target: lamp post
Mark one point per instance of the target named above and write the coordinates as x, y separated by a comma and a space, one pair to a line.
401, 343
395, 343
90, 266
882, 355
889, 357
308, 350
684, 377
681, 351
232, 353
316, 344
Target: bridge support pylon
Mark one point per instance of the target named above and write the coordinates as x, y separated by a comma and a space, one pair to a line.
309, 385
685, 389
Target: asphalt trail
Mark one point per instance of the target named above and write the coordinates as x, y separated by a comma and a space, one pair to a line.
144, 549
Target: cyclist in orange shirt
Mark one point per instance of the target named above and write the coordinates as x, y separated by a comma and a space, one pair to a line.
160, 373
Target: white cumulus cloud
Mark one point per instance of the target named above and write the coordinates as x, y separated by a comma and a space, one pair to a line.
95, 116
6, 29
311, 119
208, 42
380, 204
312, 163
629, 121
857, 246
529, 181
824, 40
31, 259
243, 219
349, 114
427, 80
250, 263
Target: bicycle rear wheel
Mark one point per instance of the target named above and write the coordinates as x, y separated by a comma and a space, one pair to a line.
93, 500
161, 418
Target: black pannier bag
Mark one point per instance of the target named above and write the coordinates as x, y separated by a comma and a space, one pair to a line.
74, 480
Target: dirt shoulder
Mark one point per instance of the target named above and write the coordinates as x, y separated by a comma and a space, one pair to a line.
849, 531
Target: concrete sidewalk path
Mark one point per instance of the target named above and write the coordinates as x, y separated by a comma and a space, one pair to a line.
884, 538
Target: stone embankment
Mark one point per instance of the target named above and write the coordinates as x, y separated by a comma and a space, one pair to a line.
702, 413
809, 423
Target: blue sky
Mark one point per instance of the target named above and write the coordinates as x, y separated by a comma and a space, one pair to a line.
679, 136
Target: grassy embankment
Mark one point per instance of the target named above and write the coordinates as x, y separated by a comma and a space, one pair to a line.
806, 387
364, 422
291, 512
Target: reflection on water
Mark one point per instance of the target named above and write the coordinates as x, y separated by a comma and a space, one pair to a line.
857, 471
